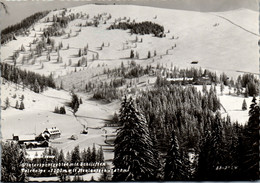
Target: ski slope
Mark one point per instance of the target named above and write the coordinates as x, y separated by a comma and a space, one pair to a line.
231, 46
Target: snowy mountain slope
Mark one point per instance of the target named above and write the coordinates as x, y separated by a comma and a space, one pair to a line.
209, 38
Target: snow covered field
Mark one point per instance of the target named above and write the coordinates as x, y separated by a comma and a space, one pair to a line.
38, 115
220, 41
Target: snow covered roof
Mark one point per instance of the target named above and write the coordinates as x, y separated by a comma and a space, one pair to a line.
26, 137
53, 130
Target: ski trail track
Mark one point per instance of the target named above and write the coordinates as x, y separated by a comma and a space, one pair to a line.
237, 25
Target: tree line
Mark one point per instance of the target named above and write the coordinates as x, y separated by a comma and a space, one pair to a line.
250, 83
246, 84
9, 33
32, 80
132, 70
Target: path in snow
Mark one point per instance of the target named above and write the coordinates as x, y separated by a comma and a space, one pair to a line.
237, 25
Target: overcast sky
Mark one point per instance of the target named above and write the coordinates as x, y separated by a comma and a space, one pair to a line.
20, 9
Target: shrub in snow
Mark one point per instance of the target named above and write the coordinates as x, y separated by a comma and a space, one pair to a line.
21, 106
132, 55
56, 110
149, 54
62, 110
7, 103
16, 105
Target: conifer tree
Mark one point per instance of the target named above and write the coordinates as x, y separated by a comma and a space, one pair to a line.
134, 149
250, 168
74, 104
61, 158
48, 57
246, 91
132, 55
238, 88
68, 157
84, 155
80, 101
21, 106
16, 105
88, 156
205, 169
154, 53
100, 155
56, 110
204, 88
222, 88
211, 150
149, 54
175, 169
137, 55
22, 48
61, 85
244, 106
7, 103
36, 87
93, 154
75, 155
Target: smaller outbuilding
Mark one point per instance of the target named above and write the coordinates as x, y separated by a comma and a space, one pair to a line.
194, 62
